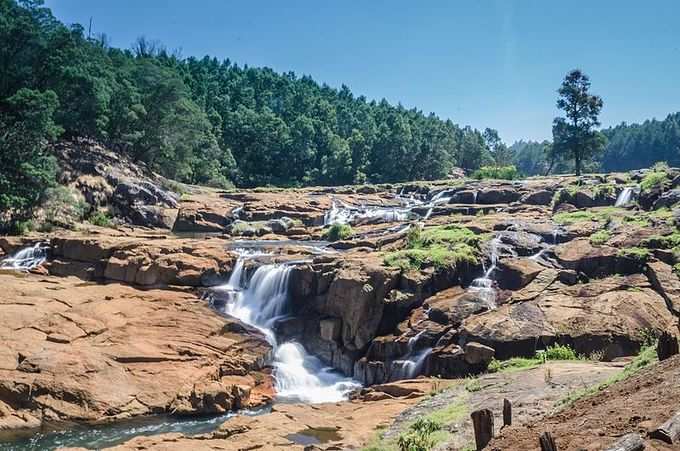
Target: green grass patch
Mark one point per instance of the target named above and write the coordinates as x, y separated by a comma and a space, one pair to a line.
600, 237
496, 172
552, 352
338, 232
646, 357
473, 384
639, 254
573, 217
441, 247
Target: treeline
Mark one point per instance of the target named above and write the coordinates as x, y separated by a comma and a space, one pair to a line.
629, 146
633, 146
214, 122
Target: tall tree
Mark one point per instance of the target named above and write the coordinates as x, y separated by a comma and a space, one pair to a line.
575, 134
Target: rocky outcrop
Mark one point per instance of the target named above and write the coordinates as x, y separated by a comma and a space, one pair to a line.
75, 352
607, 315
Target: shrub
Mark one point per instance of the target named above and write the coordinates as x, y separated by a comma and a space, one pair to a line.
101, 219
600, 237
419, 437
338, 232
676, 269
657, 177
603, 190
496, 172
23, 227
64, 206
559, 352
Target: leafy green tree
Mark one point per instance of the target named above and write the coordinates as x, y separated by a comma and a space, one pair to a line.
26, 167
575, 134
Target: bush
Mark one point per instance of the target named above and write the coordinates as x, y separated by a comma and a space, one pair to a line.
496, 172
64, 207
600, 237
419, 436
559, 352
338, 232
603, 190
101, 219
657, 177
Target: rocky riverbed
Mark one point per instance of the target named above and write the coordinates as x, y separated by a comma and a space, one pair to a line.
242, 299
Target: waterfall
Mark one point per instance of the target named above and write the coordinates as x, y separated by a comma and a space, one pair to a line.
484, 286
625, 196
474, 196
26, 258
410, 367
260, 302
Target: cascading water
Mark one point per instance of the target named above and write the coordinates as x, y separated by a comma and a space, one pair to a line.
26, 258
411, 364
264, 299
484, 286
625, 196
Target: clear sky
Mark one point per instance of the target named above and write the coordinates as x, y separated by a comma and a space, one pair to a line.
478, 62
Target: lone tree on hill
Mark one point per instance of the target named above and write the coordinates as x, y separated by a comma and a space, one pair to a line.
574, 136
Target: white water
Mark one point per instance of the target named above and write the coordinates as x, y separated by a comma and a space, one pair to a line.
26, 258
347, 214
412, 363
625, 197
299, 376
484, 286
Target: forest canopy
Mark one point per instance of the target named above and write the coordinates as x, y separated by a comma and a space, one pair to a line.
214, 122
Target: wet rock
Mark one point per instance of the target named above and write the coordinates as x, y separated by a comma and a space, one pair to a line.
452, 306
330, 329
523, 243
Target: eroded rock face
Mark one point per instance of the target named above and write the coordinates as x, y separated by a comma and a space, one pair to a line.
607, 314
75, 352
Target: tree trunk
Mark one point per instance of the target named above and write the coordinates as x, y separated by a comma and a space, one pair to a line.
507, 413
667, 346
578, 163
547, 442
668, 432
629, 442
482, 422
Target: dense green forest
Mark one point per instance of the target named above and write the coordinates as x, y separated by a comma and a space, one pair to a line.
215, 122
629, 146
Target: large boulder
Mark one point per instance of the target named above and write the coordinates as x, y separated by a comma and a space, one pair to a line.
498, 196
516, 273
540, 197
604, 316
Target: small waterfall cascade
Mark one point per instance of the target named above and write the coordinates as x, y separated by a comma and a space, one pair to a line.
26, 259
484, 286
412, 363
625, 196
259, 302
474, 196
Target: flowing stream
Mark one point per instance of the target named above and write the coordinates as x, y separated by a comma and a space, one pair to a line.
625, 196
260, 302
26, 259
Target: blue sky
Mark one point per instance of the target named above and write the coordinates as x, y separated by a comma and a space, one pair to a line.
478, 62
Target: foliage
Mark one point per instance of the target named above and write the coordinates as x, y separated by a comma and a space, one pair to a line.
600, 237
559, 352
442, 246
101, 219
27, 169
676, 269
634, 146
63, 207
575, 135
473, 384
496, 172
657, 177
338, 232
419, 436
603, 190
639, 254
211, 122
